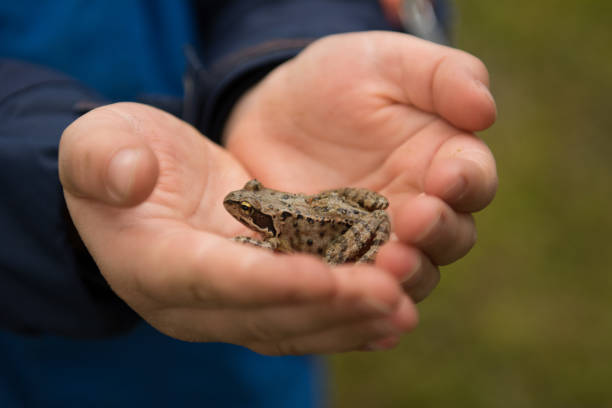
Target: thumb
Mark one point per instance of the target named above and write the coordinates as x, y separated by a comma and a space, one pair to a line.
103, 157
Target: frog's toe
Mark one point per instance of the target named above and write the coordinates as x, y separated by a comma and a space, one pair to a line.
254, 242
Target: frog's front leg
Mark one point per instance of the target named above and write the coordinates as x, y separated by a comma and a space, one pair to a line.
269, 244
360, 242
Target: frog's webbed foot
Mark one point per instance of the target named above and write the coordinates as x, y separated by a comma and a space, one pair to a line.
255, 242
359, 197
361, 242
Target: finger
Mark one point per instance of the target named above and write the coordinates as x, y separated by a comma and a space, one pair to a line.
353, 303
356, 300
351, 337
102, 157
400, 260
419, 285
385, 343
205, 270
200, 269
432, 226
411, 267
463, 173
265, 324
442, 80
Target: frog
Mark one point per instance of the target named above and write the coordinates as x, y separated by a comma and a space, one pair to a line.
342, 225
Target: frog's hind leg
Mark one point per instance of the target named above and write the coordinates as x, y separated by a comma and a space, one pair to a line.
380, 237
255, 242
361, 197
360, 243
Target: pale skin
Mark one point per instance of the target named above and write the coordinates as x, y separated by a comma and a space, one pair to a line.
383, 111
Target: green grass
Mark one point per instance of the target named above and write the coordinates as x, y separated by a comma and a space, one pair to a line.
525, 320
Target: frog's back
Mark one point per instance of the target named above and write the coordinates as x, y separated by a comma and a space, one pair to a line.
312, 228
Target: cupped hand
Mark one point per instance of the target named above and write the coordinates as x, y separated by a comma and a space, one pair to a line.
388, 112
145, 191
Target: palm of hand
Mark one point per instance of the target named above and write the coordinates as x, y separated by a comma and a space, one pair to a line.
327, 119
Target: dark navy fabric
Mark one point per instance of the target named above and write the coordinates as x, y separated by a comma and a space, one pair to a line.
48, 282
65, 338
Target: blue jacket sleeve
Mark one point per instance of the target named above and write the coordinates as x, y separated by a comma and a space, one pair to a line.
48, 282
246, 39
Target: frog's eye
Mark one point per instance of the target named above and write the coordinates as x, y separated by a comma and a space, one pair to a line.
246, 207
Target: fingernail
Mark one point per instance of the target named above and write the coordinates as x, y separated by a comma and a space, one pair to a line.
485, 89
377, 306
456, 190
120, 173
383, 344
425, 234
412, 271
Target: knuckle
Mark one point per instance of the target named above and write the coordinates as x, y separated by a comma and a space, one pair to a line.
259, 331
284, 348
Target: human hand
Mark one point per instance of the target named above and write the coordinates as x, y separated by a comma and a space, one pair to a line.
145, 191
388, 112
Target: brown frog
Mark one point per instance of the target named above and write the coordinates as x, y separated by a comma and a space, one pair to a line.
342, 225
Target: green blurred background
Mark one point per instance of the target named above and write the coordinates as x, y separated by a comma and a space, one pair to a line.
525, 320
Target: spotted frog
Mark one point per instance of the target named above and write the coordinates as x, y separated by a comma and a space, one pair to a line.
342, 225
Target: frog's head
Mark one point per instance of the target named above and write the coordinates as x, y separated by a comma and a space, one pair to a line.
245, 206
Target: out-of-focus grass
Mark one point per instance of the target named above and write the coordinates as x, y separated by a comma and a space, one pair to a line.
525, 320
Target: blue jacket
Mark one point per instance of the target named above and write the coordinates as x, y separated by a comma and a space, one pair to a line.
65, 338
